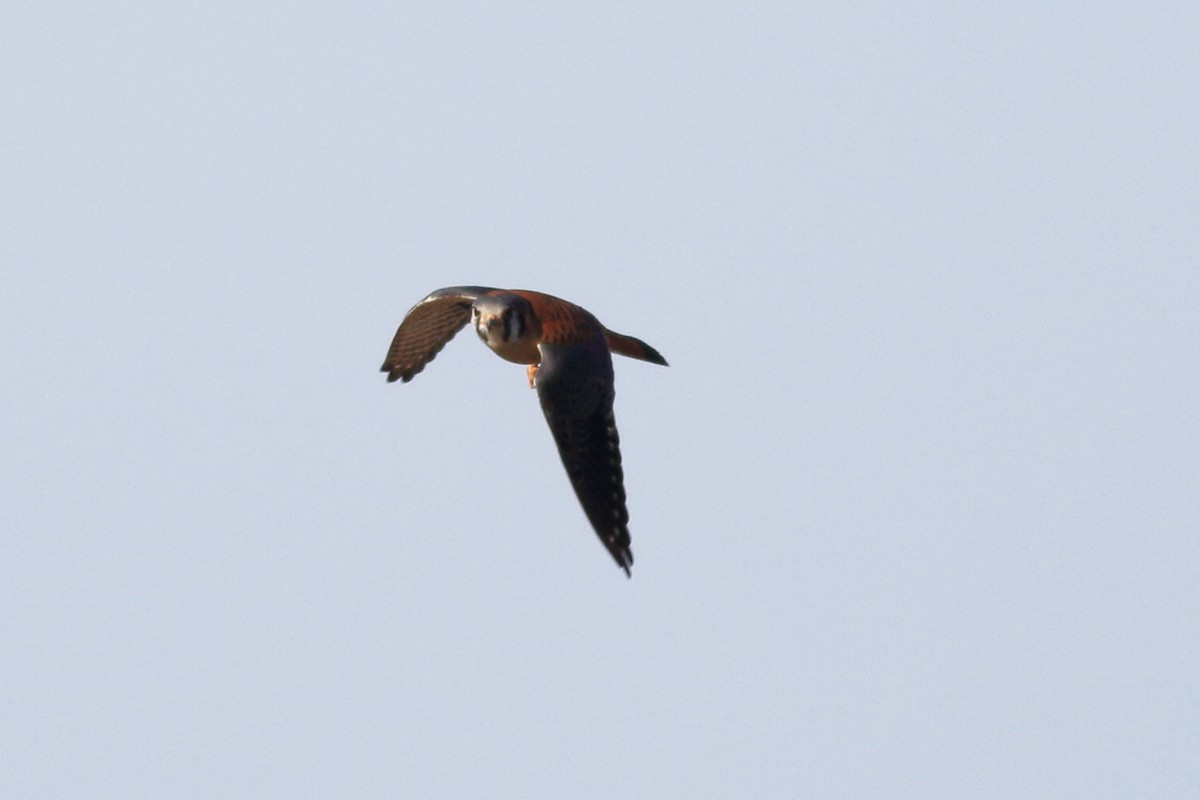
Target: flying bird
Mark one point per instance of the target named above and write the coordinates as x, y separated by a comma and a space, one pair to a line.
568, 356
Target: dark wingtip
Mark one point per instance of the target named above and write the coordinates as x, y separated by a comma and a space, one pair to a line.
396, 373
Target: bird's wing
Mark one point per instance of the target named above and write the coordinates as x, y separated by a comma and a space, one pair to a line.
427, 327
575, 387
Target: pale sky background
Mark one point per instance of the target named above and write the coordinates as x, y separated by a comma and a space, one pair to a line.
915, 508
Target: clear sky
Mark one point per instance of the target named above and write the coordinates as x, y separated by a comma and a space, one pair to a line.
915, 508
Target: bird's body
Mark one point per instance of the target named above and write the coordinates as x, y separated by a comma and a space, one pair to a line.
568, 353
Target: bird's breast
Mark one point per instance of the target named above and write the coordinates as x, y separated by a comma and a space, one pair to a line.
525, 352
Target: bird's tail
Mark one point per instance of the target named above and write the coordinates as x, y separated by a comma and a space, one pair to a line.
633, 348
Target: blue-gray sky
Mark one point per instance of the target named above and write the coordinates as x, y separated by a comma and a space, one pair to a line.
915, 507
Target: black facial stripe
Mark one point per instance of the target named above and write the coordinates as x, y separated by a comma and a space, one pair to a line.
506, 321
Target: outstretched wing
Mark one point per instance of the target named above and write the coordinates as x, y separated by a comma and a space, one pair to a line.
575, 387
427, 327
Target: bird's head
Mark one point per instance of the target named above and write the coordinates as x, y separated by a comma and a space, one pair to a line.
503, 321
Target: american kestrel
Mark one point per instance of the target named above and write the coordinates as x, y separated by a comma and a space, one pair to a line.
568, 353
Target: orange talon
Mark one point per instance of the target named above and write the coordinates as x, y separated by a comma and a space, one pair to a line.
531, 373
